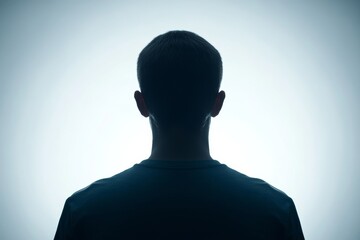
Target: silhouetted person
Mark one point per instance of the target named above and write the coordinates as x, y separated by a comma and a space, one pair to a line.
179, 192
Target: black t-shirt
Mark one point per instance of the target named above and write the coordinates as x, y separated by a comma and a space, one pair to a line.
200, 199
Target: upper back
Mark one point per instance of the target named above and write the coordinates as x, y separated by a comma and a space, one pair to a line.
185, 200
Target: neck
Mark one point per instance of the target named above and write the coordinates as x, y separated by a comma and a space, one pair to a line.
177, 144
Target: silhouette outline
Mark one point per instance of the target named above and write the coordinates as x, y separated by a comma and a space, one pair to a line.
179, 192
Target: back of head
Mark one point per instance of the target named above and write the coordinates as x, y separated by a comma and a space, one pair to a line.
179, 74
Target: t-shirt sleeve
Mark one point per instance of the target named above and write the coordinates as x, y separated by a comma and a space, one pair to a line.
64, 229
295, 231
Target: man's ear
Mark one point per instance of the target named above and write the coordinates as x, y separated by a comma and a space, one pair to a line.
140, 102
218, 103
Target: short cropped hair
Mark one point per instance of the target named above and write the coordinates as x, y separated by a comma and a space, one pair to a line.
179, 74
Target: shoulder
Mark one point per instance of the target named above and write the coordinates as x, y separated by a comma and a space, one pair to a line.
98, 192
258, 190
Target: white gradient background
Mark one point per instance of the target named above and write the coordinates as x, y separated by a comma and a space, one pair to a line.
291, 116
